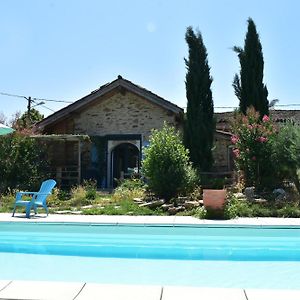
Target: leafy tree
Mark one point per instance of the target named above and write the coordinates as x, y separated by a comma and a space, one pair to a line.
248, 86
285, 157
27, 120
199, 124
23, 162
166, 165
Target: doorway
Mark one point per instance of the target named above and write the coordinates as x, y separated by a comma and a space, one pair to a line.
125, 159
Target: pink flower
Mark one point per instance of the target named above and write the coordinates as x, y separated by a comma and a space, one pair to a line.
253, 158
236, 152
262, 139
250, 127
265, 118
234, 139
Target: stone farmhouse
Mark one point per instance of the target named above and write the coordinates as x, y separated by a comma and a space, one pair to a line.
102, 135
280, 117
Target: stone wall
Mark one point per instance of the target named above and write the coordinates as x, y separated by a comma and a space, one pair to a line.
223, 159
122, 113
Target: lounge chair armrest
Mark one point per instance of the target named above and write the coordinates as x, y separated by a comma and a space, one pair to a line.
27, 193
20, 194
43, 193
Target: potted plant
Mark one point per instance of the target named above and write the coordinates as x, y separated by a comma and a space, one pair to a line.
214, 194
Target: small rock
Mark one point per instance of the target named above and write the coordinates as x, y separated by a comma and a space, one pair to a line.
191, 204
239, 195
180, 208
138, 200
172, 210
166, 207
260, 200
280, 194
181, 199
148, 199
175, 210
153, 204
86, 206
76, 212
249, 192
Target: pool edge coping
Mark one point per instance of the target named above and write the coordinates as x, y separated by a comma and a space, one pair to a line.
178, 221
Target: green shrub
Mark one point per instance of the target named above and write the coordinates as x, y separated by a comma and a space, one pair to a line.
166, 165
7, 201
23, 162
129, 189
286, 154
63, 195
132, 184
241, 208
237, 208
124, 207
289, 211
200, 212
90, 187
53, 199
78, 197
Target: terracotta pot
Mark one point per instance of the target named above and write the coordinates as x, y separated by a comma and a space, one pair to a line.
214, 199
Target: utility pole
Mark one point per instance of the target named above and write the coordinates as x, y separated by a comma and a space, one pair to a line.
28, 110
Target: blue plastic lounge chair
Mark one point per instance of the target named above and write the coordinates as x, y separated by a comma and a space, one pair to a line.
35, 198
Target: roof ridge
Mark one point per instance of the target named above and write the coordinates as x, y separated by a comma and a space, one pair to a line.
152, 97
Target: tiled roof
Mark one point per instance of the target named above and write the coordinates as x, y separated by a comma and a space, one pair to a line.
119, 82
224, 119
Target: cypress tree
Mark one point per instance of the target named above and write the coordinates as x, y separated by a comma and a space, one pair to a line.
248, 86
199, 123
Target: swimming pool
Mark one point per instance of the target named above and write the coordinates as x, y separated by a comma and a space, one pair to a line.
244, 257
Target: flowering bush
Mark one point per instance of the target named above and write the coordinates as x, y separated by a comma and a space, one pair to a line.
252, 140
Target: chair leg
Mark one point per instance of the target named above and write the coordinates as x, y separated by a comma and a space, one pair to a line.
14, 211
28, 207
46, 208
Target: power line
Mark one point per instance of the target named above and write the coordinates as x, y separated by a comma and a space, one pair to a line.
47, 107
51, 100
63, 101
277, 105
11, 95
33, 98
288, 105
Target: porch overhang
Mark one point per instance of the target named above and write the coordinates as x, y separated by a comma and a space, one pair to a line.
66, 138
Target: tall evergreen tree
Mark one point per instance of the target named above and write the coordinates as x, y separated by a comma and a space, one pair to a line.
248, 86
199, 123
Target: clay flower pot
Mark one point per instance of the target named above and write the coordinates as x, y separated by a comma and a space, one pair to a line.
214, 199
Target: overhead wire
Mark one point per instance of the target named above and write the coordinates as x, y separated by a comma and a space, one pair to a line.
64, 101
34, 98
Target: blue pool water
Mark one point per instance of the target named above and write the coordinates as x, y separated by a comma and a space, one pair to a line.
247, 257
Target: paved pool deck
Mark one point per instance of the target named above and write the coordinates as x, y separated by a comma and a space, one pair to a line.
50, 290
147, 220
37, 290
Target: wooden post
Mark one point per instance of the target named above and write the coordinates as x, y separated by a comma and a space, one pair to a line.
79, 162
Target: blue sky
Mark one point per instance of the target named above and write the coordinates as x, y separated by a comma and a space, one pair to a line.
59, 49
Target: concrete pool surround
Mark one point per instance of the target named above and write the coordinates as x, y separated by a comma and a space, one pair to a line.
16, 289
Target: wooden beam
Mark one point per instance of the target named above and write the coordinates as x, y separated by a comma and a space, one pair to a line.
79, 162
